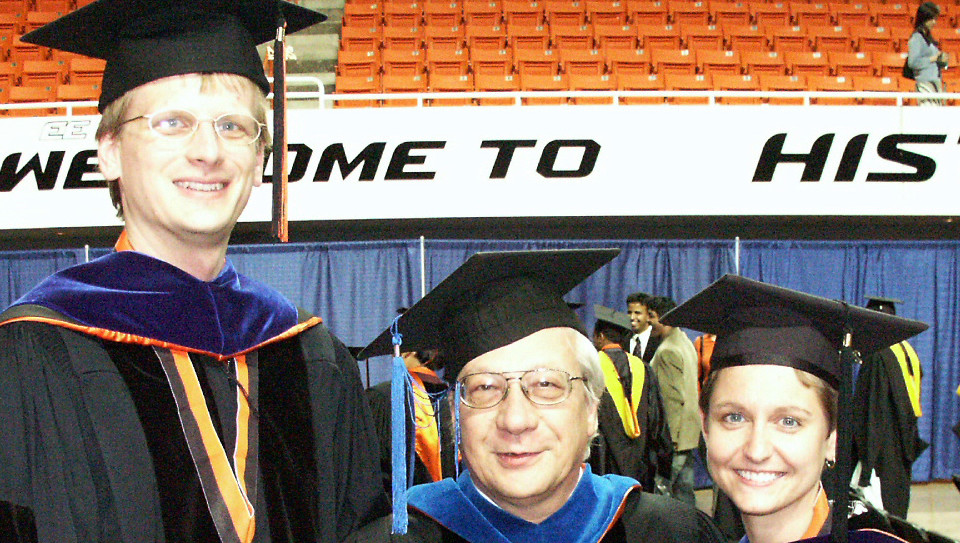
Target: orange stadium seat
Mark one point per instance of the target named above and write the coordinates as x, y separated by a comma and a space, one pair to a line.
86, 71
689, 12
496, 83
15, 6
565, 12
731, 82
11, 24
850, 64
788, 38
876, 84
673, 61
360, 38
36, 19
43, 73
702, 36
949, 40
402, 14
20, 50
872, 38
582, 61
806, 63
522, 12
830, 83
536, 62
448, 62
363, 14
403, 38
729, 13
403, 62
830, 38
486, 37
647, 12
23, 95
528, 37
542, 82
628, 61
10, 73
888, 64
744, 38
806, 14
6, 46
357, 84
399, 83
772, 82
850, 14
892, 15
482, 13
658, 37
447, 14
571, 36
362, 63
450, 83
491, 61
444, 37
718, 62
80, 93
592, 82
770, 13
640, 82
616, 36
684, 82
606, 12
59, 6
758, 63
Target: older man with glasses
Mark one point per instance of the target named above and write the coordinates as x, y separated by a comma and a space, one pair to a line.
525, 387
156, 394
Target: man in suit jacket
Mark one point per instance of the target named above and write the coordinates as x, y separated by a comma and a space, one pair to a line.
675, 364
642, 342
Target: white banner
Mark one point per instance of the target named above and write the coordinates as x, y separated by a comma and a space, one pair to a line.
542, 161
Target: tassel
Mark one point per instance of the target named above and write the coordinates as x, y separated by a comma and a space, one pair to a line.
456, 431
279, 225
398, 426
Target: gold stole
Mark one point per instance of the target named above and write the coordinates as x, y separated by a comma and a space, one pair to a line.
911, 370
628, 413
427, 432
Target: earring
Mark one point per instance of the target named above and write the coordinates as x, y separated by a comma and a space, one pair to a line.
830, 463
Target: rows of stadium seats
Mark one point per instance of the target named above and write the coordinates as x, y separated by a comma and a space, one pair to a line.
613, 82
605, 37
29, 73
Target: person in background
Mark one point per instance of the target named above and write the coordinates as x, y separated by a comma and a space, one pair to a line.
675, 364
886, 436
642, 343
634, 438
527, 383
770, 407
155, 394
924, 57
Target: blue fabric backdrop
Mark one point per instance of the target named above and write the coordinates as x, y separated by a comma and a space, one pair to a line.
357, 286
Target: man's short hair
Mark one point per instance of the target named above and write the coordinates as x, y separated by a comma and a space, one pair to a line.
638, 298
611, 331
660, 304
116, 113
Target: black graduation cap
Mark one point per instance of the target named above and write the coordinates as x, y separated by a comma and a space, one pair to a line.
612, 316
492, 300
883, 304
759, 323
146, 40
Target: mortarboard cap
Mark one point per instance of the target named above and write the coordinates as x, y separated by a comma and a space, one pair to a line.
492, 300
612, 316
759, 323
880, 303
147, 40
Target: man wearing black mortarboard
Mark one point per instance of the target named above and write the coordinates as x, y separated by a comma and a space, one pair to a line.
886, 437
525, 383
634, 438
156, 394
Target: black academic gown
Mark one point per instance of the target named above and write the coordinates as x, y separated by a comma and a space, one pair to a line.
378, 397
93, 450
886, 437
641, 458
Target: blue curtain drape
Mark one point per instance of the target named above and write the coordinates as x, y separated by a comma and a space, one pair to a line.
357, 287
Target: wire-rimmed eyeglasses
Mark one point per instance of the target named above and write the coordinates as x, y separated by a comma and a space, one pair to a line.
238, 128
542, 386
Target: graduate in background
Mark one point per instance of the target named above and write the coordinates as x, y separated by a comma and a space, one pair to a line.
634, 437
886, 437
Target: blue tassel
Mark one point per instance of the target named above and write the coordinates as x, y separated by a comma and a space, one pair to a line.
398, 425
